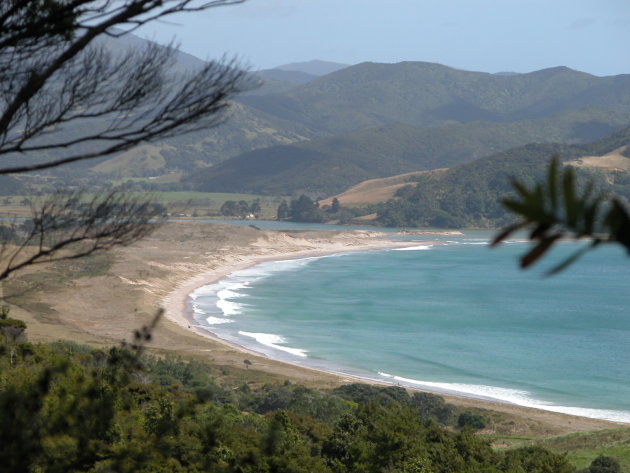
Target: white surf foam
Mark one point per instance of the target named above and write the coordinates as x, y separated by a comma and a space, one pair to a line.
197, 310
274, 341
512, 396
218, 320
229, 288
230, 292
414, 248
229, 308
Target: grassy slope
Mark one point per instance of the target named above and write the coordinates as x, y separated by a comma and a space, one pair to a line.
580, 447
374, 191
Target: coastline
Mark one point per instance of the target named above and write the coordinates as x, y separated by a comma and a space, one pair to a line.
178, 312
126, 289
175, 304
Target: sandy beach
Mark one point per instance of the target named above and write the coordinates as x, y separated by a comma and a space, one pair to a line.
175, 303
162, 270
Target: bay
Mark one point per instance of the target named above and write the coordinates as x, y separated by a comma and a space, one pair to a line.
456, 317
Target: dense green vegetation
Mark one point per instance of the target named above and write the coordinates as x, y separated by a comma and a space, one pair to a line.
304, 209
369, 95
470, 194
69, 408
241, 209
329, 165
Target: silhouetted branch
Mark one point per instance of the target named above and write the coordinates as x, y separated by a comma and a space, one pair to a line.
73, 225
64, 99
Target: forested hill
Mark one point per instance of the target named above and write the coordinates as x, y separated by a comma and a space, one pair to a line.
329, 165
469, 194
368, 95
320, 134
376, 120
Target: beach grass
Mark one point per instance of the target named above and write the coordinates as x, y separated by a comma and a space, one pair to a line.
580, 447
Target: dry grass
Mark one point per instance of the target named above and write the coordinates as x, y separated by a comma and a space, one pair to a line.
614, 161
374, 191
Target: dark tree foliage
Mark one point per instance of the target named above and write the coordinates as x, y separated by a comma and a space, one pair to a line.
69, 408
558, 208
604, 464
283, 211
470, 419
334, 207
242, 208
304, 209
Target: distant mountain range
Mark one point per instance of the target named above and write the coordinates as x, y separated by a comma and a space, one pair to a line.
320, 127
314, 67
376, 120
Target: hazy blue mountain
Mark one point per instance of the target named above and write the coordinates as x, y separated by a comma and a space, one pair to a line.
245, 129
314, 67
184, 61
10, 186
301, 133
294, 77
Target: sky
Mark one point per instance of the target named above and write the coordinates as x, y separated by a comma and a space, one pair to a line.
481, 35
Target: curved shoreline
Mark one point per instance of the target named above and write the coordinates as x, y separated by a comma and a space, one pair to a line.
175, 304
178, 311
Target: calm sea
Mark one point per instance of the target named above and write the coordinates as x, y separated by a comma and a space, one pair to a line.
456, 317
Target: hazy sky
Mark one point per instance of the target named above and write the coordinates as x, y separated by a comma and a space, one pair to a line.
483, 35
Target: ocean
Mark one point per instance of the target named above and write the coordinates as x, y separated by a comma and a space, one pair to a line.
456, 317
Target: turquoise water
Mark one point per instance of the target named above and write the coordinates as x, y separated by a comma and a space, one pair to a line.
457, 317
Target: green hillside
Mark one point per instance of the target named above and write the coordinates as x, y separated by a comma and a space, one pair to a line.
469, 194
244, 130
362, 122
329, 165
370, 94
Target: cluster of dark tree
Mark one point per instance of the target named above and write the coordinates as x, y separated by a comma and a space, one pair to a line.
304, 209
469, 197
242, 208
69, 408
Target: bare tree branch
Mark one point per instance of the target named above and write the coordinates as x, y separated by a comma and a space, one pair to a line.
73, 225
63, 99
66, 98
